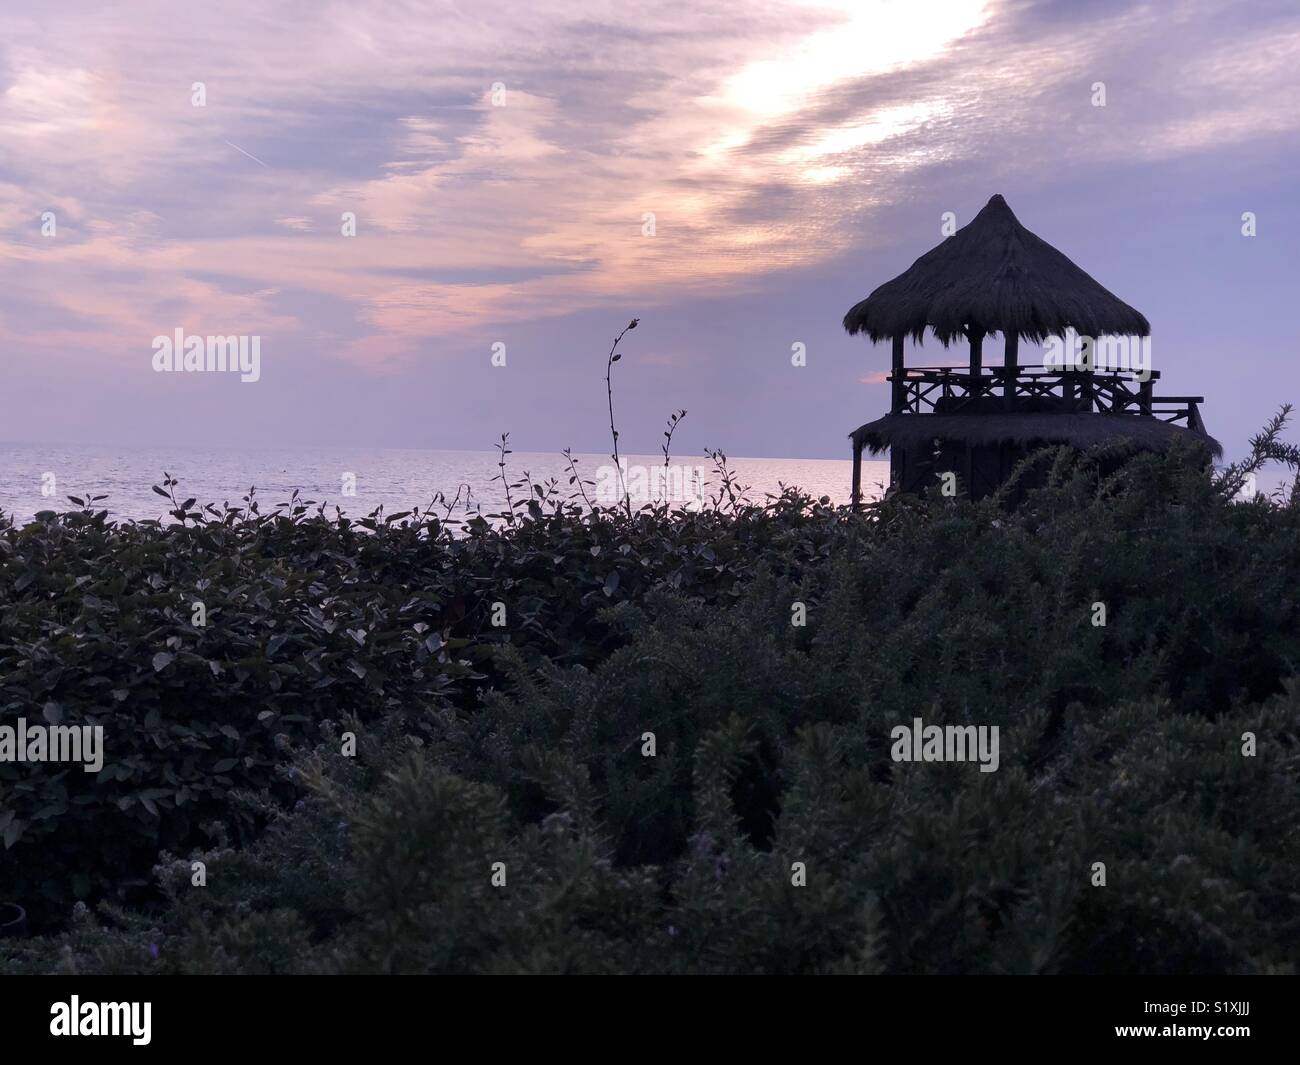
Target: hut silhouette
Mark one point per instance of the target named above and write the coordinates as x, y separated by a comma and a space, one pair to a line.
993, 276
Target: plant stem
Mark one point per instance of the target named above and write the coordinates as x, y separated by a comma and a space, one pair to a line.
609, 391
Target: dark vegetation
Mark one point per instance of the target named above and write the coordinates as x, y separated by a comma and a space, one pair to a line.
522, 743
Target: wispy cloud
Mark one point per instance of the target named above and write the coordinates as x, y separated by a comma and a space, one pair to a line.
538, 160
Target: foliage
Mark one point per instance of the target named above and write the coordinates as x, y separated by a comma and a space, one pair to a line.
523, 744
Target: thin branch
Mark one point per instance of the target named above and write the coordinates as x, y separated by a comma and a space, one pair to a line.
609, 391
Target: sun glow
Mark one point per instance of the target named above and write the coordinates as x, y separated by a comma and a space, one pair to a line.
872, 38
879, 127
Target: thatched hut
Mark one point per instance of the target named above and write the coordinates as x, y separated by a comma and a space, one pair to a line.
990, 277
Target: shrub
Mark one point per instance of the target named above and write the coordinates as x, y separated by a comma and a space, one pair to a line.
522, 745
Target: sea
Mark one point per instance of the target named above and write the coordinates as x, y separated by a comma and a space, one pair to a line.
37, 477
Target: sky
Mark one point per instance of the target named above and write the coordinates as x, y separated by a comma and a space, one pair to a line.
522, 179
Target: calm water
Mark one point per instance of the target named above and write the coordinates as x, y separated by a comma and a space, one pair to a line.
397, 478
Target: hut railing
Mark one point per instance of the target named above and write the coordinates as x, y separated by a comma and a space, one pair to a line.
954, 390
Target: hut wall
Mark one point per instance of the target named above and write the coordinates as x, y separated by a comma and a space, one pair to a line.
981, 469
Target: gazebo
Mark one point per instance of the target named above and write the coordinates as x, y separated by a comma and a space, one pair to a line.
992, 277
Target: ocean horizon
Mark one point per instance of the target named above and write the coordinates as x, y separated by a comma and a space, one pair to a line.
36, 477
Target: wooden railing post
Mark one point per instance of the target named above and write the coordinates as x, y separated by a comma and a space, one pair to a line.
1010, 360
857, 474
896, 402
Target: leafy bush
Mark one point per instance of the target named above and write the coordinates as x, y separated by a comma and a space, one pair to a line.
522, 744
307, 619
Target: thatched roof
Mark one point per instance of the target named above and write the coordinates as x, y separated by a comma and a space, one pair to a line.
1079, 429
998, 277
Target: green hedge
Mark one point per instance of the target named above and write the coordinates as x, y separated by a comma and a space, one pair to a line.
522, 744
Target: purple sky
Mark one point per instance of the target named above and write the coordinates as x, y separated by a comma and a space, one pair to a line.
794, 156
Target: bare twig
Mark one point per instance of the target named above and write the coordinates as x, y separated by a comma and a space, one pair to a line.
609, 391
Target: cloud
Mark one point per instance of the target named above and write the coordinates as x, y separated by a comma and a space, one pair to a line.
756, 145
663, 358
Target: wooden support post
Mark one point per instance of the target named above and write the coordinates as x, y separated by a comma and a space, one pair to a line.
1144, 402
976, 364
857, 474
896, 404
1011, 369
